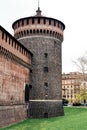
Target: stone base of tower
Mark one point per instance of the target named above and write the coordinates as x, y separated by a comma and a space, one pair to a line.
45, 108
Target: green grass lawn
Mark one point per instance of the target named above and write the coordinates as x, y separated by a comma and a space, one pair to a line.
74, 119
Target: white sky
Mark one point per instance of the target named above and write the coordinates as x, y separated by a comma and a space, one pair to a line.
73, 13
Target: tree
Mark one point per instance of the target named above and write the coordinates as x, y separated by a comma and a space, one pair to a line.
81, 63
78, 98
83, 93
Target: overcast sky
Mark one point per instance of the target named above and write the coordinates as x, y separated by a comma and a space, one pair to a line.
73, 13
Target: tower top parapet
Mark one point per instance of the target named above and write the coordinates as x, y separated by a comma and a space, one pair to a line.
38, 25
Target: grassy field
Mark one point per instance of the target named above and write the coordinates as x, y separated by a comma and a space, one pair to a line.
74, 119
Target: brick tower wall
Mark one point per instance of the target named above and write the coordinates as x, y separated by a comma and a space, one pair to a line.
45, 96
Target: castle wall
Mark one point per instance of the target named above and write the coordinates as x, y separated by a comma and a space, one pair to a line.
13, 78
14, 75
12, 113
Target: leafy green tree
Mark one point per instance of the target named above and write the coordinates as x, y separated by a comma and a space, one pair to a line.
78, 98
83, 94
81, 63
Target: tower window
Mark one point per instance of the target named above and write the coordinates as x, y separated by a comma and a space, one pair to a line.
6, 38
22, 22
27, 21
45, 55
9, 40
30, 70
18, 23
44, 21
3, 35
30, 86
54, 23
45, 69
26, 93
58, 24
32, 21
49, 22
46, 84
45, 115
38, 20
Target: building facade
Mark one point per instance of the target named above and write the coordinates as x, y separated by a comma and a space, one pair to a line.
71, 85
30, 69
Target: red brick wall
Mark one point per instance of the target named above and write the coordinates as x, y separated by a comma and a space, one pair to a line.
15, 61
12, 114
12, 81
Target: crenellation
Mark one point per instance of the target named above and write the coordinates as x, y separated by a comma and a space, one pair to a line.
38, 31
38, 23
13, 46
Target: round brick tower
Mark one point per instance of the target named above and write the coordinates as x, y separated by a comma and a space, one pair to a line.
43, 36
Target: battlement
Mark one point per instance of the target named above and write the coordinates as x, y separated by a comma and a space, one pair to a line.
10, 46
38, 25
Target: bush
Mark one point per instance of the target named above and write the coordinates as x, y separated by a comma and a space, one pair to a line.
76, 104
65, 102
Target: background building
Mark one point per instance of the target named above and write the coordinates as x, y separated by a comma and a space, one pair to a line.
71, 85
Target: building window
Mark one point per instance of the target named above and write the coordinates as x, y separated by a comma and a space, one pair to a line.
64, 96
45, 55
30, 31
45, 69
68, 96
